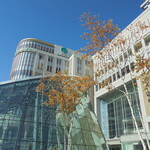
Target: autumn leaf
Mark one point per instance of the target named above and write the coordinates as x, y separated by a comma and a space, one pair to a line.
64, 90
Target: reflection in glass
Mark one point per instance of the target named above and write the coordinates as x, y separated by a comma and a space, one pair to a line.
27, 124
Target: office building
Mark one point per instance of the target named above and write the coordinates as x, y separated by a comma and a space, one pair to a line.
111, 106
35, 57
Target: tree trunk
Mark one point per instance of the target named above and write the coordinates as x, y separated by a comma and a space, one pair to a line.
36, 117
141, 117
57, 134
138, 107
69, 134
133, 116
57, 131
64, 121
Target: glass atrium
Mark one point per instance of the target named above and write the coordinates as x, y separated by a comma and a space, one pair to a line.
27, 124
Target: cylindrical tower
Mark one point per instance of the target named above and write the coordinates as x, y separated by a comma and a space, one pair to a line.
23, 60
35, 58
25, 63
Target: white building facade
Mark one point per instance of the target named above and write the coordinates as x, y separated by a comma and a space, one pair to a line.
35, 57
111, 106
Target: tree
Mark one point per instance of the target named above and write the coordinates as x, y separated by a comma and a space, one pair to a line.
103, 38
64, 92
142, 65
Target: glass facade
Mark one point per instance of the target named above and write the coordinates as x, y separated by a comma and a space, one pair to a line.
79, 65
132, 146
119, 119
36, 45
27, 124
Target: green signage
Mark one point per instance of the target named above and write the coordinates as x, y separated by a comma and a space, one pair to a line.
64, 50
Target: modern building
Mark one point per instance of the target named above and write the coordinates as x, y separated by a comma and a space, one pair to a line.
111, 106
79, 66
35, 57
27, 124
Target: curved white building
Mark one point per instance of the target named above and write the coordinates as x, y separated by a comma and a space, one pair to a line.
35, 57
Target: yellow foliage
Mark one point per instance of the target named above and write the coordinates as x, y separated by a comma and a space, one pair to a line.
142, 65
100, 33
64, 90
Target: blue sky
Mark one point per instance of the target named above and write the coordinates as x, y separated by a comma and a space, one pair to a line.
54, 21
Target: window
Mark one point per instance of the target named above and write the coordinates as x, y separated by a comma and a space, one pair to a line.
132, 66
40, 62
66, 63
50, 63
110, 79
42, 48
31, 44
39, 46
137, 47
99, 85
123, 71
127, 69
114, 77
49, 68
1, 132
35, 46
147, 40
96, 87
52, 50
119, 115
111, 116
79, 65
125, 55
58, 65
116, 61
47, 49
11, 132
27, 44
121, 58
129, 52
118, 75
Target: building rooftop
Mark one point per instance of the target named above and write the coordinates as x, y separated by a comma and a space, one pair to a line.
145, 5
